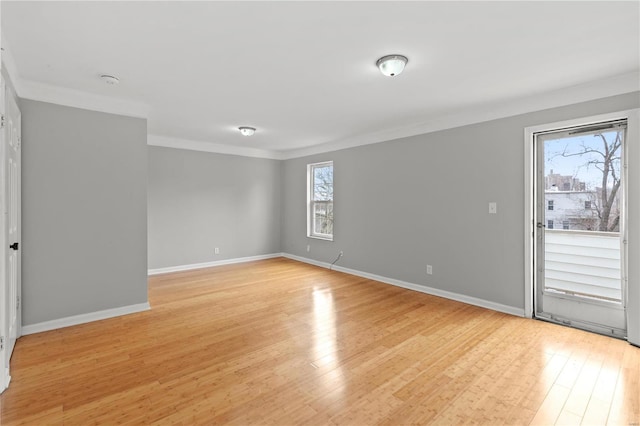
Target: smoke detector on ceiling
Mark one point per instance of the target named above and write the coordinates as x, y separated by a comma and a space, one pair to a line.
109, 79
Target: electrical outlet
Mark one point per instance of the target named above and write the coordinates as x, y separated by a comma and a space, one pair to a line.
308, 247
216, 250
429, 270
493, 207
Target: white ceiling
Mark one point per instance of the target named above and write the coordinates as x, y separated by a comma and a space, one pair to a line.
304, 73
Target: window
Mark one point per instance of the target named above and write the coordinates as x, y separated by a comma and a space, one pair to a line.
320, 200
550, 205
565, 224
587, 205
549, 224
566, 186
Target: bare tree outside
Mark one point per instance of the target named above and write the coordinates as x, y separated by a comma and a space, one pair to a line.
323, 199
599, 155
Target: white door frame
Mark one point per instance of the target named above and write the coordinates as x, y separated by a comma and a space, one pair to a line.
7, 97
632, 196
4, 329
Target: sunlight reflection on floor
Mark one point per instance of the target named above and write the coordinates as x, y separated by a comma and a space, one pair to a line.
325, 346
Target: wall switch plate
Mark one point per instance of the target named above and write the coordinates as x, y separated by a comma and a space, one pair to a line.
308, 247
429, 270
493, 208
217, 250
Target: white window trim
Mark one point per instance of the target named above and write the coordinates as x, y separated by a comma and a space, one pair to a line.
632, 229
310, 233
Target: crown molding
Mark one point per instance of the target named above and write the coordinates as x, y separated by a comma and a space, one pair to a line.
79, 99
617, 85
218, 148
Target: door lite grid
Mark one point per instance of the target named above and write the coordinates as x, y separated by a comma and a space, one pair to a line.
580, 227
320, 200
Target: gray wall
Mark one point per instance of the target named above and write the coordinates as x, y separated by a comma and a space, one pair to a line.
403, 204
84, 211
399, 205
199, 201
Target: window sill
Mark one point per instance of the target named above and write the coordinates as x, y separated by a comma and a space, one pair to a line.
317, 237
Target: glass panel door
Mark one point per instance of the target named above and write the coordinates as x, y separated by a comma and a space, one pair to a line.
579, 227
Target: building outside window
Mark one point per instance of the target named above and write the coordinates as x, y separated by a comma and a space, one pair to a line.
580, 206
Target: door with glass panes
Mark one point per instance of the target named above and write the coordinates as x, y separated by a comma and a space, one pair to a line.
580, 227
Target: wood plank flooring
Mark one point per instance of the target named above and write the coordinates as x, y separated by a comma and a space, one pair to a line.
281, 342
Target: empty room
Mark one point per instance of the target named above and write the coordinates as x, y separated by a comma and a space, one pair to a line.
320, 212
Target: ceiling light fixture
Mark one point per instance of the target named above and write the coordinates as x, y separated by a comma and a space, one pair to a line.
247, 131
391, 65
109, 79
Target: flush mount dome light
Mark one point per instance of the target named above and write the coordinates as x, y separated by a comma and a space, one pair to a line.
247, 131
392, 65
109, 79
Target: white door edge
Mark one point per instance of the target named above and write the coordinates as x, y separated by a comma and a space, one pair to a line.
4, 332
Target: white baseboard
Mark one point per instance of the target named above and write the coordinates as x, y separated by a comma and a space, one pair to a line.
210, 264
310, 261
84, 318
7, 380
416, 287
125, 310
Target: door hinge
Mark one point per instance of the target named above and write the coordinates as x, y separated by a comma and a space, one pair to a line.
1, 121
1, 343
18, 304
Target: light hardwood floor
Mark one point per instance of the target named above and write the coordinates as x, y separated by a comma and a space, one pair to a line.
281, 342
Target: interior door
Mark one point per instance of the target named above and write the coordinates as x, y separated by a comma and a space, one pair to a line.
580, 227
12, 161
4, 372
